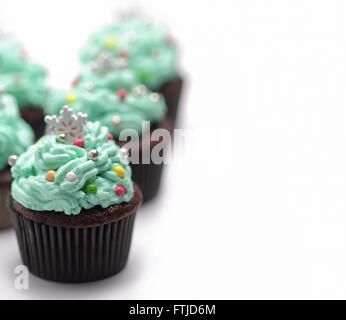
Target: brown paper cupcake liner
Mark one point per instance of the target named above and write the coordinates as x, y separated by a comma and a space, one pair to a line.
75, 254
35, 117
5, 185
148, 176
172, 92
5, 219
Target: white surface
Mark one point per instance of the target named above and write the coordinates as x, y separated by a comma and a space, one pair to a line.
255, 205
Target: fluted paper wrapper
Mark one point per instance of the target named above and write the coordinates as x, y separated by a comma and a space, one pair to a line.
35, 117
148, 178
73, 254
5, 220
148, 175
172, 92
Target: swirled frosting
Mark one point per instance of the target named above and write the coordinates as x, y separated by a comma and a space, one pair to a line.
113, 110
148, 48
111, 78
20, 77
12, 56
15, 134
55, 176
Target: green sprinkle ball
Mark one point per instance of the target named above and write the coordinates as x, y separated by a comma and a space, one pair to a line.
91, 188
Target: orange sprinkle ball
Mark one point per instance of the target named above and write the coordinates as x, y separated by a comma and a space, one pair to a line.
50, 176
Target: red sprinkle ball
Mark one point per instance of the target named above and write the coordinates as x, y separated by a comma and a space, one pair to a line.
169, 40
120, 190
110, 137
75, 82
23, 54
79, 143
123, 54
122, 93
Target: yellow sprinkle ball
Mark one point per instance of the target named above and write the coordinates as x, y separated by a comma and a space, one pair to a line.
111, 42
71, 97
119, 171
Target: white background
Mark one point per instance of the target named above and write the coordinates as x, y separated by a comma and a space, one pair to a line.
254, 205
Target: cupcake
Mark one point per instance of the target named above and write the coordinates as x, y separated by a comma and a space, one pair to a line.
119, 111
146, 48
25, 80
73, 202
15, 136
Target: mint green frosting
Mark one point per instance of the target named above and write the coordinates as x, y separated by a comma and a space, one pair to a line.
12, 56
15, 134
104, 105
112, 80
31, 188
29, 92
150, 53
21, 77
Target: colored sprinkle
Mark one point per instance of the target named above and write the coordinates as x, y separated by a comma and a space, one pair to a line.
122, 93
111, 42
79, 143
143, 76
91, 188
120, 190
75, 82
71, 97
123, 54
50, 176
119, 171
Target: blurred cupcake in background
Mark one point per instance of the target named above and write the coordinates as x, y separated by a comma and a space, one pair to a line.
25, 80
119, 110
107, 72
73, 197
15, 136
146, 48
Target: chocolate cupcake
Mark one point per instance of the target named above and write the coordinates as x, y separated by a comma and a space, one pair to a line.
25, 80
147, 49
134, 113
15, 136
73, 202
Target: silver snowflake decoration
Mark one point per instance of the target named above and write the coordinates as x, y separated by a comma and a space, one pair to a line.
105, 62
70, 126
129, 13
